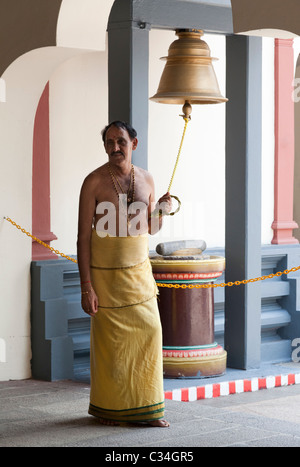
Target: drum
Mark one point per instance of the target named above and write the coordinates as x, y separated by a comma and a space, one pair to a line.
187, 316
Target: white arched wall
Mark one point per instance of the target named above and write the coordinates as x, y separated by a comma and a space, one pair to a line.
25, 80
82, 23
78, 112
2, 90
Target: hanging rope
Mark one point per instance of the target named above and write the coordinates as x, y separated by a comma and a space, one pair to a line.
179, 152
186, 119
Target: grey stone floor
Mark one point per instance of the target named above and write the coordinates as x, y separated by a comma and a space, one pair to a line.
54, 414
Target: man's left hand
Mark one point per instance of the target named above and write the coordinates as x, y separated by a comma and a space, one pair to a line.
165, 203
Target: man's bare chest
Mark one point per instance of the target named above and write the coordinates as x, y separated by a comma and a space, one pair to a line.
137, 192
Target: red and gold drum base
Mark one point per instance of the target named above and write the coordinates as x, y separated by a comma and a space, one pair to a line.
194, 362
187, 317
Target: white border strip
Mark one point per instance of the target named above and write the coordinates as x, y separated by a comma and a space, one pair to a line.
209, 391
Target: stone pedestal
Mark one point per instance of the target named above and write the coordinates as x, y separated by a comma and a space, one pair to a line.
187, 317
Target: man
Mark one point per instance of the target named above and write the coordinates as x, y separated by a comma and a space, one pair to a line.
118, 289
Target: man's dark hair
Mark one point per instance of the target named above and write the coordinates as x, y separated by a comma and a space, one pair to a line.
119, 124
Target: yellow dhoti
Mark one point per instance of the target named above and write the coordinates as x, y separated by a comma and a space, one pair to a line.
126, 340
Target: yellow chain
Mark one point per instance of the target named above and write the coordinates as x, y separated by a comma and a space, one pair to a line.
228, 284
176, 286
40, 241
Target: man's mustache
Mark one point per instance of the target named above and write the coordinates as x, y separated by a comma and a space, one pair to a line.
115, 153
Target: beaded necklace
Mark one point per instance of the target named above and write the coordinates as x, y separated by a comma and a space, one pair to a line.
131, 189
130, 192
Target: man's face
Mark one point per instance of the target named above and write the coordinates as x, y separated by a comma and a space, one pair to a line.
118, 144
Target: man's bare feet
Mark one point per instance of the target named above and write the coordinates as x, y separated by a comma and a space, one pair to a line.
160, 423
104, 421
157, 423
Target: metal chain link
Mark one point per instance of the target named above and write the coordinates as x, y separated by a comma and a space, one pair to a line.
40, 241
228, 284
176, 286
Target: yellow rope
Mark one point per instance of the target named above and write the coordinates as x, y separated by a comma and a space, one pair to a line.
178, 155
176, 286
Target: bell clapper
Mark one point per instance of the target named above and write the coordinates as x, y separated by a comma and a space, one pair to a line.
187, 110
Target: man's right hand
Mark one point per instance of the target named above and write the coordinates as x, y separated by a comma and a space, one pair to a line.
89, 302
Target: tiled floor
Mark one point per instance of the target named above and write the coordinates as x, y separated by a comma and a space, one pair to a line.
37, 413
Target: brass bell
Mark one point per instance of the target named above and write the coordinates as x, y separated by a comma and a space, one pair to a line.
188, 76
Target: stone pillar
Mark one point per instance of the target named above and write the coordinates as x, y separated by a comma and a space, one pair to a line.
283, 223
243, 201
128, 46
41, 181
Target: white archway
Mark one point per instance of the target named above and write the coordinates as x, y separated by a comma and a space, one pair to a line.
2, 90
25, 80
2, 351
83, 24
81, 28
